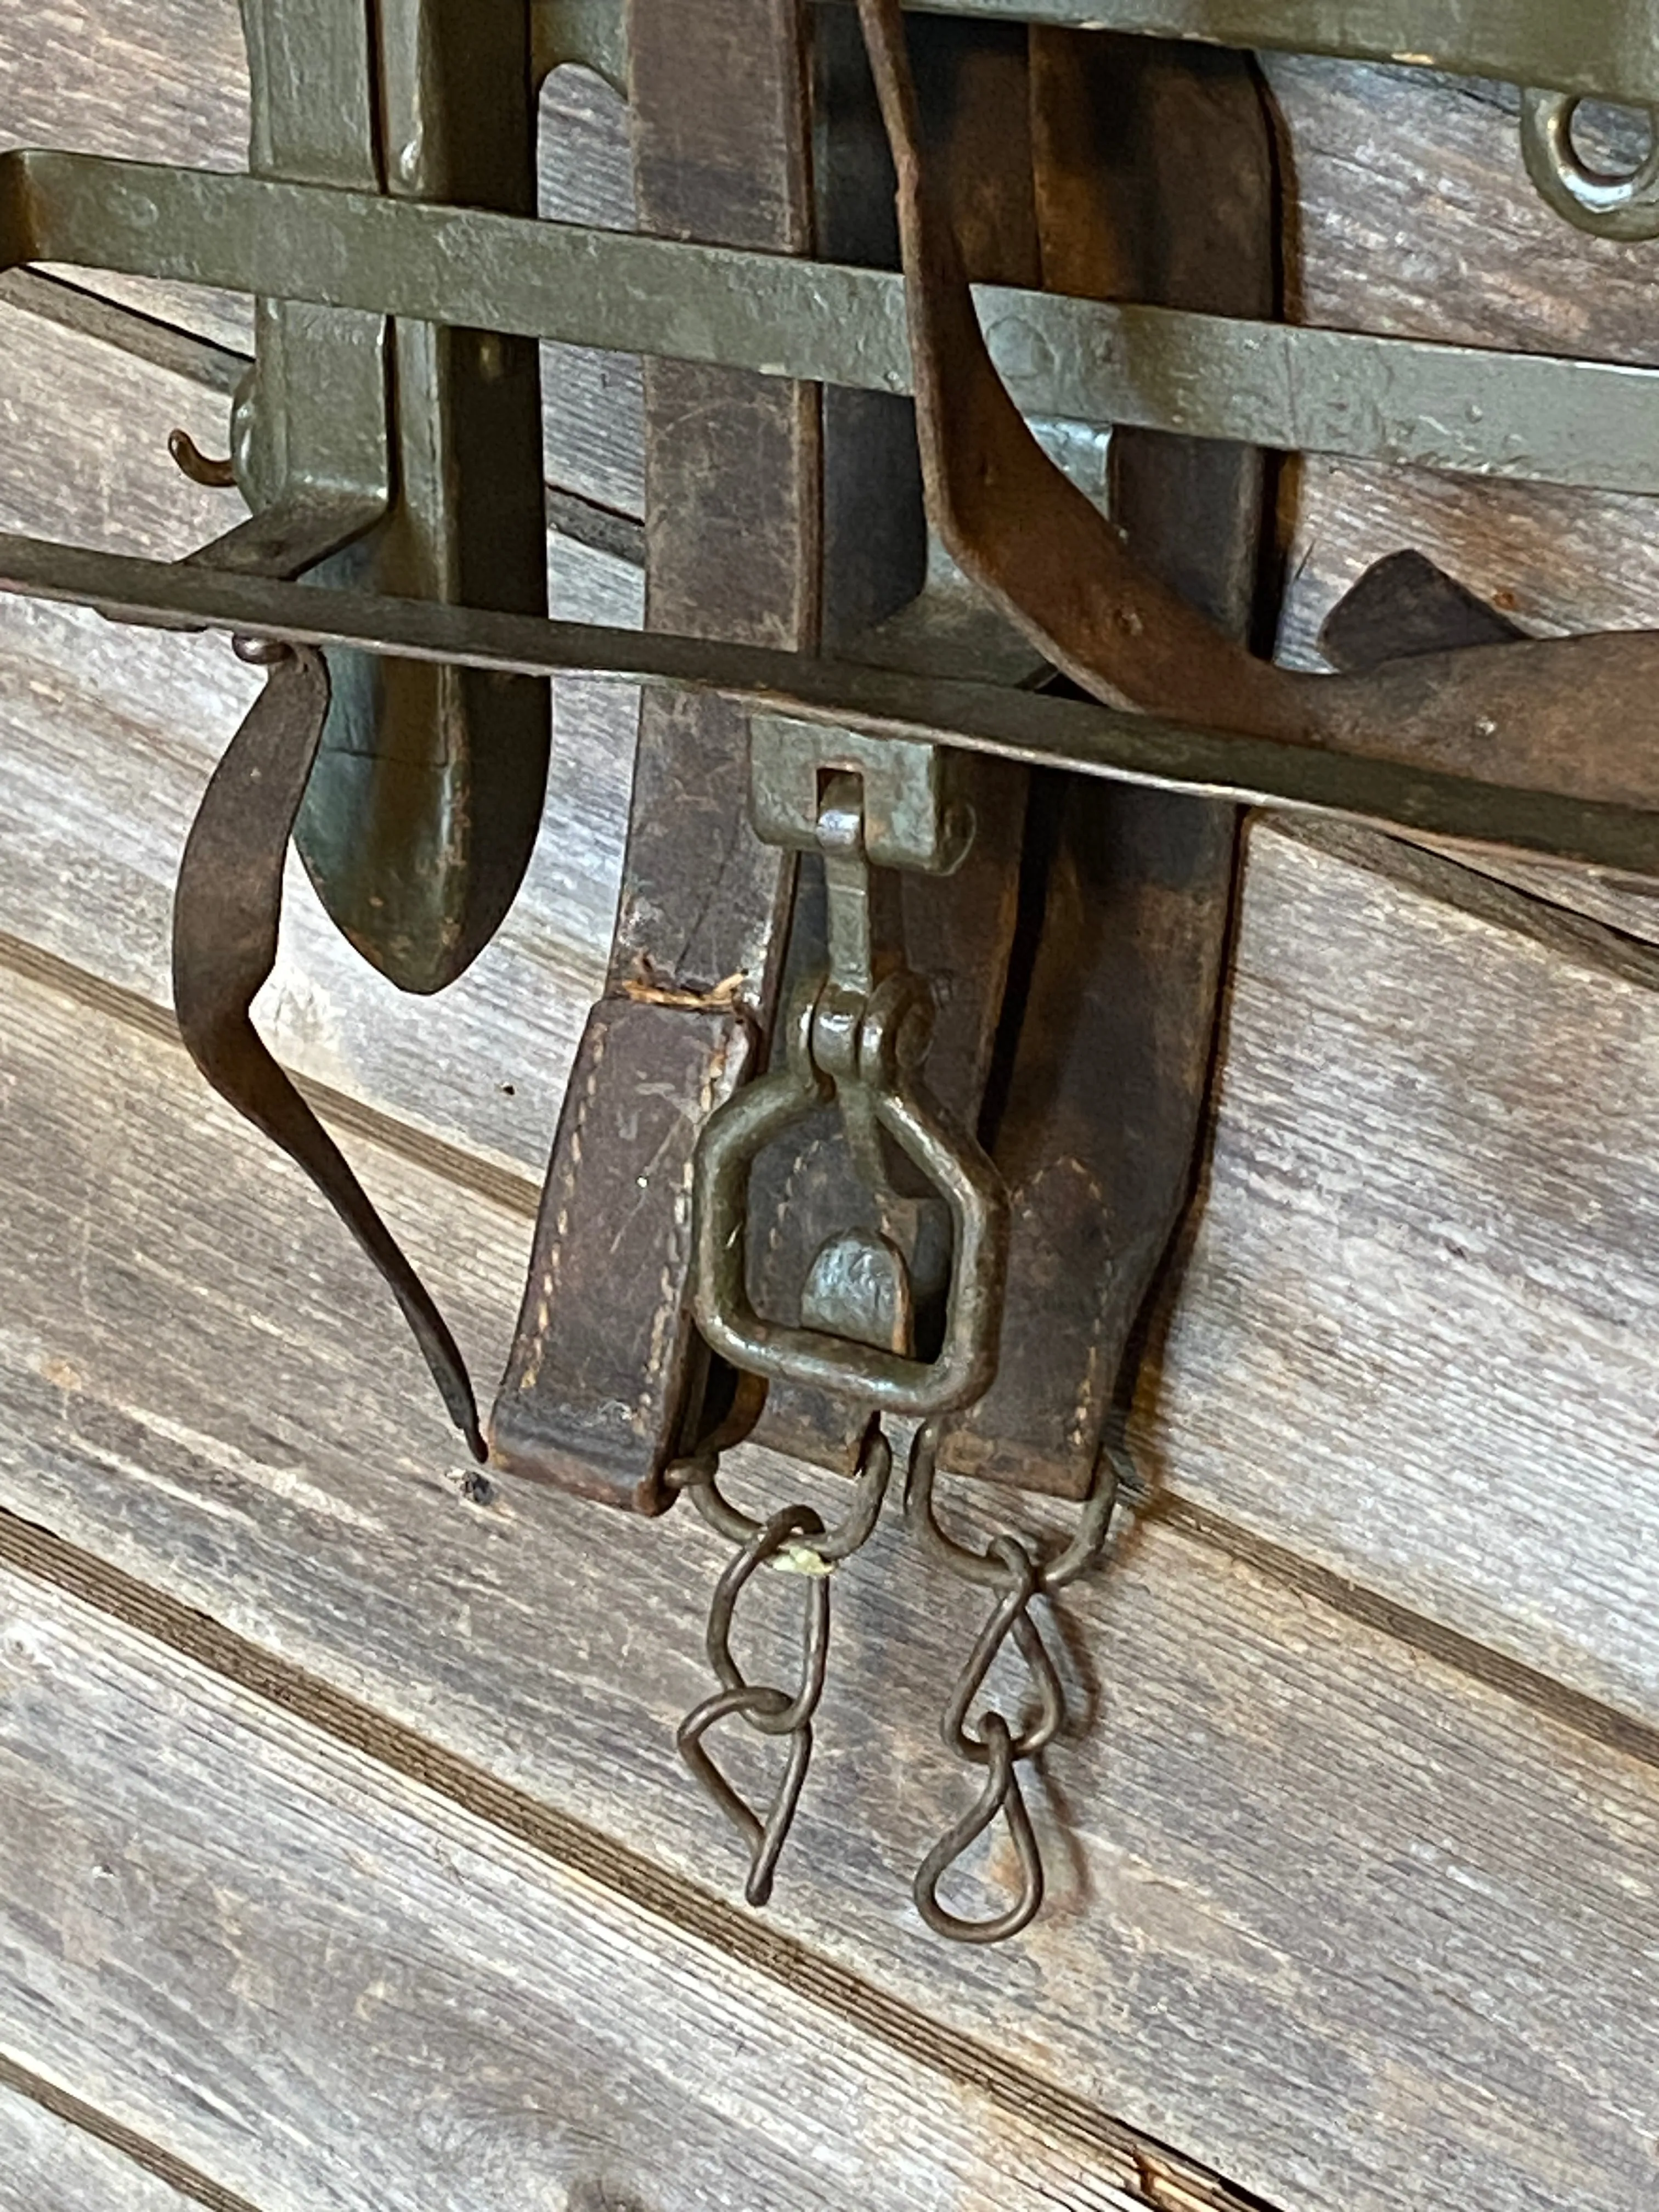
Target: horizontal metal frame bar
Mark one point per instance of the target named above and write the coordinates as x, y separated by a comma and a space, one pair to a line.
885, 703
1609, 47
1589, 424
1606, 47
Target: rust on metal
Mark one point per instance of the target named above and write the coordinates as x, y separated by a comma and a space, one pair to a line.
1042, 551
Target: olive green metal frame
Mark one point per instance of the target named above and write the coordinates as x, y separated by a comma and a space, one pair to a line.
1605, 48
1037, 727
1590, 424
1575, 423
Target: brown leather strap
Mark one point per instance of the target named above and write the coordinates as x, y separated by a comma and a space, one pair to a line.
226, 915
732, 467
1155, 184
956, 931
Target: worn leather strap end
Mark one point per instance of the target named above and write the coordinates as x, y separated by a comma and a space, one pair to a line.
592, 1399
227, 912
1155, 182
606, 1377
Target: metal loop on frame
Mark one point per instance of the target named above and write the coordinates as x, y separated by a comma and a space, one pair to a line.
1609, 206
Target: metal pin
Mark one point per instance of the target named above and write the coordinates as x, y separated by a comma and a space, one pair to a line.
201, 468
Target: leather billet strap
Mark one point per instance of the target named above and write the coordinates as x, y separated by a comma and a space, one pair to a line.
607, 1376
226, 915
1092, 164
1080, 988
955, 930
1155, 184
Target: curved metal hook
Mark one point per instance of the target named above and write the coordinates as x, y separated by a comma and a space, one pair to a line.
765, 1837
768, 1711
1011, 1617
696, 1473
698, 1476
199, 467
781, 1530
986, 1568
1001, 1794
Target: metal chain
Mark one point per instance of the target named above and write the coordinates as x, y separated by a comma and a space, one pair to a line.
795, 1540
1018, 1577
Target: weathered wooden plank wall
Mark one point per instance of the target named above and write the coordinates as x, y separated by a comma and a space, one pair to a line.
1354, 1867
48, 2164
520, 2035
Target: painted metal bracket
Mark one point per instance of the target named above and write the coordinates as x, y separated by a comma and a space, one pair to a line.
407, 453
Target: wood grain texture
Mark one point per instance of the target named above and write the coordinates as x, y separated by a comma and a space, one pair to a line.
593, 404
1343, 1920
1300, 1924
166, 81
108, 736
518, 2037
1418, 1325
145, 83
100, 728
47, 2165
1412, 216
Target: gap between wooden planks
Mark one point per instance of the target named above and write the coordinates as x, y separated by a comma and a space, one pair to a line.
198, 1385
58, 2153
868, 2103
518, 1195
1277, 1363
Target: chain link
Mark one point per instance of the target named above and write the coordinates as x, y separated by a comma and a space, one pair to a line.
1008, 1567
795, 1540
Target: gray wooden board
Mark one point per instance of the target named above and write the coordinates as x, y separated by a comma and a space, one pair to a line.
166, 81
102, 764
1416, 1331
104, 727
143, 79
108, 736
594, 403
221, 1426
1414, 217
48, 2166
1327, 1912
338, 1992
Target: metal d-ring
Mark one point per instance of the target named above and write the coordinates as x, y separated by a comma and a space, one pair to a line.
956, 1166
1618, 207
